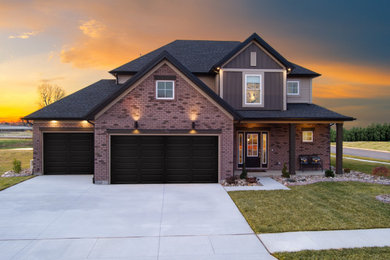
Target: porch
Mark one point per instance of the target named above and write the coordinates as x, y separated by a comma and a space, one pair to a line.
265, 147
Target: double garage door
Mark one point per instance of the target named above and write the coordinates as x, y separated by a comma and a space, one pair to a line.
164, 159
136, 159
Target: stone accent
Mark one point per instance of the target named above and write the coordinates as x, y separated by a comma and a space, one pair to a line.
140, 105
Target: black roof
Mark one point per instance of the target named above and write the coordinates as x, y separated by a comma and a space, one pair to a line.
295, 111
203, 56
79, 104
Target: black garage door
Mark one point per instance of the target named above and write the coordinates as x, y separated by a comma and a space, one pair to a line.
164, 159
66, 153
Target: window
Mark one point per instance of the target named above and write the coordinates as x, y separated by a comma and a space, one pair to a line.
165, 89
240, 148
253, 90
252, 145
307, 136
293, 88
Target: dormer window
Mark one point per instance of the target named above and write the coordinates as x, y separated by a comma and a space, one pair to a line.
253, 90
165, 89
293, 88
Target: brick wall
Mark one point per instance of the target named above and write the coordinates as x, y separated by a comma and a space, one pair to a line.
141, 105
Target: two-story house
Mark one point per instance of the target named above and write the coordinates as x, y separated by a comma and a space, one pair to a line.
190, 111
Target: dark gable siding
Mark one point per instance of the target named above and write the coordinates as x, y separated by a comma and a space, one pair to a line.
263, 60
273, 90
232, 88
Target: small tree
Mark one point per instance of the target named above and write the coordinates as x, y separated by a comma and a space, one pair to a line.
244, 173
285, 172
17, 166
49, 94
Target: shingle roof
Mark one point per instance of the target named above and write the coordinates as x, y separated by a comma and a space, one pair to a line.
197, 56
79, 104
295, 111
202, 56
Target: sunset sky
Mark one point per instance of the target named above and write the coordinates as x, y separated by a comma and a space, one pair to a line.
74, 43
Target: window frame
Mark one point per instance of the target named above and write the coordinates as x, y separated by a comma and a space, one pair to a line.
244, 94
173, 90
241, 148
298, 88
303, 136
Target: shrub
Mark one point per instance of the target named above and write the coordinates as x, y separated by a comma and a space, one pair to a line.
381, 171
244, 173
329, 173
230, 180
285, 173
347, 170
17, 166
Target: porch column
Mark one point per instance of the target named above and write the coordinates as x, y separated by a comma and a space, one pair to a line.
339, 148
291, 157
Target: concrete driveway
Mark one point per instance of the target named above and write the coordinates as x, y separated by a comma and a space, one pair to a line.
67, 217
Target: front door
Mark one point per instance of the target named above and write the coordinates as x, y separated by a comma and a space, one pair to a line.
253, 149
252, 159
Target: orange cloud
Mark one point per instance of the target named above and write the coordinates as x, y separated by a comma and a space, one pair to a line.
92, 28
24, 35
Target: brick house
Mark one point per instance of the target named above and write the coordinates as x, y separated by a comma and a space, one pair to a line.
190, 111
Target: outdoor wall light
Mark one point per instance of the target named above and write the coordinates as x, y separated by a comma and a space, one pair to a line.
136, 124
193, 124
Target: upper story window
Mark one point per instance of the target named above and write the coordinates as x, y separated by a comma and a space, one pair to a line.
293, 88
253, 90
165, 89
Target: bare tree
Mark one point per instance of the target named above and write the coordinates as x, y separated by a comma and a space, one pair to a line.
49, 94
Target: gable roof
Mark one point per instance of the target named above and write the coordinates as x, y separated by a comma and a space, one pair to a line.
202, 56
295, 112
165, 55
79, 104
262, 43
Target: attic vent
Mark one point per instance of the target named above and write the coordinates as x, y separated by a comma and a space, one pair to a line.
253, 58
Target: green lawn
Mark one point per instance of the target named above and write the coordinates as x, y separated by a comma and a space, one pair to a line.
6, 182
372, 253
15, 143
382, 146
320, 206
365, 167
7, 157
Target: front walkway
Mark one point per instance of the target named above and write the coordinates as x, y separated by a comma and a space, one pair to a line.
321, 240
68, 217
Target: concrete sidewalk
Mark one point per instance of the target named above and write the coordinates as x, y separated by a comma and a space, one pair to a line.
321, 240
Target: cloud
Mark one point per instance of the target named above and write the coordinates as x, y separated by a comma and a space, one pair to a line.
92, 28
24, 35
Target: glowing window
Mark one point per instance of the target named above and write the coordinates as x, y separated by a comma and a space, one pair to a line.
307, 136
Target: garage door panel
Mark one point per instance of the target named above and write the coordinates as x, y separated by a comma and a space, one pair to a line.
68, 153
164, 159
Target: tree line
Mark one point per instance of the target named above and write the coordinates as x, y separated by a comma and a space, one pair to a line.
373, 132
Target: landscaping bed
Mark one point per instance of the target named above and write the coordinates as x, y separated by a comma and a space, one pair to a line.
313, 207
351, 176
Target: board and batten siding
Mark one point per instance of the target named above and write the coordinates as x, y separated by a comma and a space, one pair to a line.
273, 90
242, 60
305, 91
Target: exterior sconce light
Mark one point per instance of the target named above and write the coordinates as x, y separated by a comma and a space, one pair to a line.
193, 124
136, 124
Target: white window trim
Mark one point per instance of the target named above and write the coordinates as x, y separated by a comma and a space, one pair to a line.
293, 94
312, 136
244, 103
257, 143
173, 89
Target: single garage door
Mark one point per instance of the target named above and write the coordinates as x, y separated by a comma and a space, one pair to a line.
164, 159
68, 153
